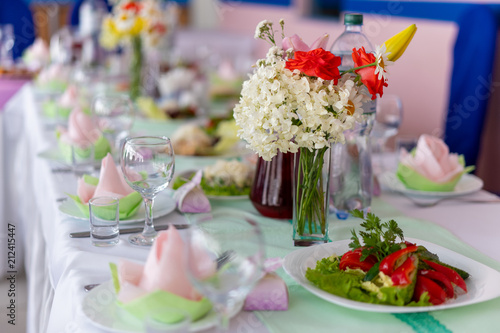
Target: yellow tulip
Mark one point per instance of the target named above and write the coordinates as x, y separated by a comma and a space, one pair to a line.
397, 44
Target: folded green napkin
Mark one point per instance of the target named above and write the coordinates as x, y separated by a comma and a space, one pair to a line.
145, 305
415, 181
128, 205
52, 110
101, 149
53, 86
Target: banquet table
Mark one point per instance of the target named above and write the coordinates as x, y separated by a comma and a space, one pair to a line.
58, 267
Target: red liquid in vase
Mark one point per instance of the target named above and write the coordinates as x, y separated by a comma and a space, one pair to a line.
272, 192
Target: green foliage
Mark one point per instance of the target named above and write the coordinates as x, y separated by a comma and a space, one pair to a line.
379, 239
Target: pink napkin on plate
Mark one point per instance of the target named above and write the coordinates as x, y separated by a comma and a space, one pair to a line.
111, 182
164, 270
432, 159
81, 131
190, 198
69, 99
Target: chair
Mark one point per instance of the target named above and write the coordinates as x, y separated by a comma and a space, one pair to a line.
473, 60
17, 13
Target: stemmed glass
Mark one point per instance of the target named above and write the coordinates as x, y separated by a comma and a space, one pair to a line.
387, 120
114, 114
225, 258
148, 164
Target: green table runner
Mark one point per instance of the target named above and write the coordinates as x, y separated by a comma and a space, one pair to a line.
309, 313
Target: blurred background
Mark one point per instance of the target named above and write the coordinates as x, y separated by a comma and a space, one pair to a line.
446, 80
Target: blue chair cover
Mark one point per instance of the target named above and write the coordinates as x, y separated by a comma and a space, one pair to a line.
17, 13
473, 61
74, 17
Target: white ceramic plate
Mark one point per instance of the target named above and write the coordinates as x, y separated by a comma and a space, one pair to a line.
100, 308
482, 284
163, 205
186, 174
466, 185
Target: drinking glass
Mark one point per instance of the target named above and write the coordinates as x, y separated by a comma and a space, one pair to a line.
104, 221
387, 120
148, 164
114, 115
225, 258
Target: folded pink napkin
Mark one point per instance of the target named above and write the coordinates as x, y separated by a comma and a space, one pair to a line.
111, 182
432, 159
271, 292
81, 131
69, 99
164, 270
190, 198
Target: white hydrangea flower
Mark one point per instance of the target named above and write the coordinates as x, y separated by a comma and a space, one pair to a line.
281, 110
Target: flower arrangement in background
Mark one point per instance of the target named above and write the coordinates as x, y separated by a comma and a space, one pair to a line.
298, 100
138, 23
130, 19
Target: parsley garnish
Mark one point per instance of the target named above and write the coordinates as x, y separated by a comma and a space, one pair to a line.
376, 241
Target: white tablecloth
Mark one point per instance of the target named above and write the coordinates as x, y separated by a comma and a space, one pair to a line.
58, 267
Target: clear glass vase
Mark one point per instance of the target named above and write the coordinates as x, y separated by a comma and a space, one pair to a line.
310, 197
136, 68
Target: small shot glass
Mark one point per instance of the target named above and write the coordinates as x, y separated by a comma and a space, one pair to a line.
104, 221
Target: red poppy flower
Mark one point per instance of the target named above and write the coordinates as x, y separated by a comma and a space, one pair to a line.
132, 6
368, 77
317, 62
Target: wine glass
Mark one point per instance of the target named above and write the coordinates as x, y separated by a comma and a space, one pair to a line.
387, 120
114, 115
225, 258
148, 164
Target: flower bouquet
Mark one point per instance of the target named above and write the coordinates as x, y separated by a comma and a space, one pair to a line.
135, 22
299, 101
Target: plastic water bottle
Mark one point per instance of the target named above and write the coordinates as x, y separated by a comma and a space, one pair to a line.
91, 14
351, 181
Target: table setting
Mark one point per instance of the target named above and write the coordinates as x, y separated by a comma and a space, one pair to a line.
144, 216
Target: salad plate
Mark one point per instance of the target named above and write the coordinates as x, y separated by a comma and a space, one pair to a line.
482, 284
466, 185
100, 308
164, 204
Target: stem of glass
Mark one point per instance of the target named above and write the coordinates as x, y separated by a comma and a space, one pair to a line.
223, 318
149, 230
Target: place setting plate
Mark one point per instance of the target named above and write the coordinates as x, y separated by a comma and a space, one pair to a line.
466, 185
110, 317
482, 284
164, 204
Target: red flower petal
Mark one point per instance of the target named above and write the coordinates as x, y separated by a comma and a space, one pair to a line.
368, 77
317, 62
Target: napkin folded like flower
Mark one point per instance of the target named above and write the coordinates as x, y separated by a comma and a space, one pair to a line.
81, 134
190, 198
55, 77
63, 106
271, 292
431, 166
110, 183
37, 55
162, 281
